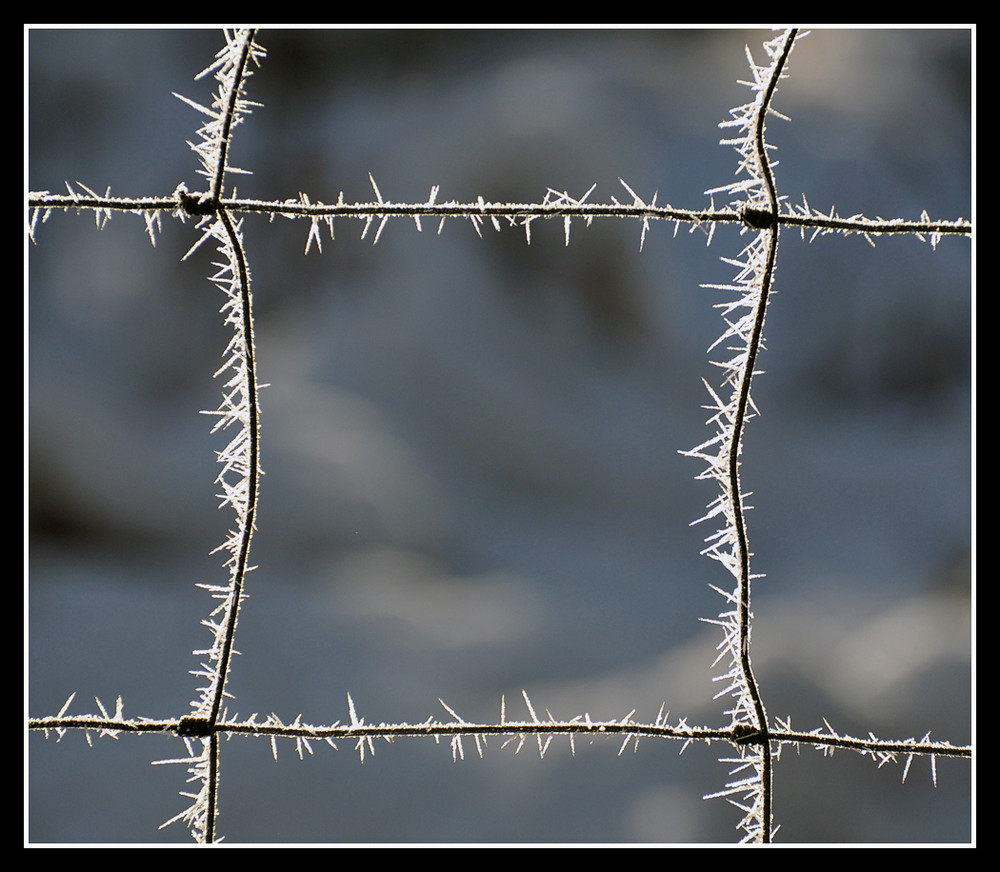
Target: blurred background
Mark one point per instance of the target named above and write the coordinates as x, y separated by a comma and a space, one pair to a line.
472, 481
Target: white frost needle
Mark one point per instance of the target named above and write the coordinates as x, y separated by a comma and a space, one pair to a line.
531, 710
194, 105
62, 711
637, 201
378, 195
451, 711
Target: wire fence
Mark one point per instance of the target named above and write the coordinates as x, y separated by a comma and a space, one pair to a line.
400, 519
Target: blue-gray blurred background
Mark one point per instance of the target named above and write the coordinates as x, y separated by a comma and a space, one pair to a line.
472, 481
